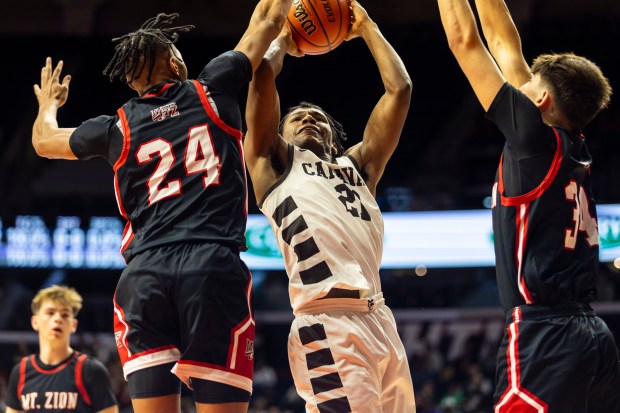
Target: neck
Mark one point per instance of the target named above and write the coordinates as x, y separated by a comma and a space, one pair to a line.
155, 81
52, 354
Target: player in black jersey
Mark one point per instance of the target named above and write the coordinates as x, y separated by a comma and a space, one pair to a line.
59, 379
556, 355
183, 302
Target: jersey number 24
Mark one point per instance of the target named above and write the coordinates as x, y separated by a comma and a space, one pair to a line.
200, 157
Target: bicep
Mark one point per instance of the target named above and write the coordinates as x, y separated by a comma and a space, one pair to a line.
9, 410
262, 115
513, 67
481, 71
382, 133
256, 40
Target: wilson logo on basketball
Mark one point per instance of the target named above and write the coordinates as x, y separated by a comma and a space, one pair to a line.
304, 18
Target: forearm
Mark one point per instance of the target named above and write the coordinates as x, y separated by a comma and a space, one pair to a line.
272, 12
48, 139
459, 24
498, 27
274, 57
394, 75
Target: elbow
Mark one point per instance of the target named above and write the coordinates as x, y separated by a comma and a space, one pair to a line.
405, 87
461, 42
39, 147
402, 89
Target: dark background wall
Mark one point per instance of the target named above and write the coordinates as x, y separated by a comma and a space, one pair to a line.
448, 151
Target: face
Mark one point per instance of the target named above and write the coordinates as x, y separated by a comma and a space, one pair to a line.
309, 128
54, 321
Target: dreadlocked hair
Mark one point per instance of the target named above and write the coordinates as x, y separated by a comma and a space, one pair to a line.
338, 133
134, 50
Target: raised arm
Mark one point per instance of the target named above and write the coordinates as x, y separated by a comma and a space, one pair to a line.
387, 119
48, 139
472, 56
265, 24
503, 40
263, 146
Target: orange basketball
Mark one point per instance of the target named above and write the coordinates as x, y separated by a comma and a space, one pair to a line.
319, 26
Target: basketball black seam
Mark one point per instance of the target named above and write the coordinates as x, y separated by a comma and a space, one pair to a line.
329, 42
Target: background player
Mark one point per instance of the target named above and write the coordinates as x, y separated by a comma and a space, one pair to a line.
183, 301
344, 350
556, 354
58, 378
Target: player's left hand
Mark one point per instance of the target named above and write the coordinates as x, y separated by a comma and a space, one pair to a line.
52, 90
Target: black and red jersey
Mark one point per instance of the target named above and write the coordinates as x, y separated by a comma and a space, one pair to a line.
79, 384
544, 216
177, 156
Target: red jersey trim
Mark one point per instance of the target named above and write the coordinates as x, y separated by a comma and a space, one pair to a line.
159, 92
522, 225
54, 370
126, 140
218, 121
128, 232
516, 398
544, 185
79, 382
22, 376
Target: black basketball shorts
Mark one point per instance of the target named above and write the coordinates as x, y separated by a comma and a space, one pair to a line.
557, 359
189, 304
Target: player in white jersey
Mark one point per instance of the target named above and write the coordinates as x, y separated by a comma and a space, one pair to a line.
344, 350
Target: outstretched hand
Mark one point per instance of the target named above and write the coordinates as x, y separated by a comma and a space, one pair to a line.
359, 19
51, 89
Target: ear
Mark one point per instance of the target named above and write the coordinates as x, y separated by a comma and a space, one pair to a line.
174, 67
74, 327
34, 322
543, 100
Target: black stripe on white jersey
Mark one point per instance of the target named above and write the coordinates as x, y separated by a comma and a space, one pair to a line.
323, 358
304, 249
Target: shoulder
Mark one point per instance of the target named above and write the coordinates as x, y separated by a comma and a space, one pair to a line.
91, 363
15, 371
230, 61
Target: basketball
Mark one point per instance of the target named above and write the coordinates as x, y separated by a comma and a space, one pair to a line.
319, 26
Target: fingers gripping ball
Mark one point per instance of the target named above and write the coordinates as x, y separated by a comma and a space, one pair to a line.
319, 26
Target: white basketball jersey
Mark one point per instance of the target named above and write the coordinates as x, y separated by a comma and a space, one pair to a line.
327, 225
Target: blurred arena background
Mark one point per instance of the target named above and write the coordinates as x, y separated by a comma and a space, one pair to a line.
446, 160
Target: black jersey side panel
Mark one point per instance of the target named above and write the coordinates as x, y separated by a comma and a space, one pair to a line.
546, 238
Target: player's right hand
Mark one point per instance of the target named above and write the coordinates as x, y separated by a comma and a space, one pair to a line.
287, 34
